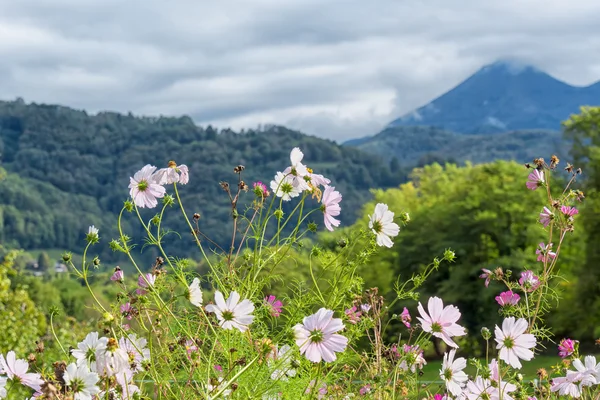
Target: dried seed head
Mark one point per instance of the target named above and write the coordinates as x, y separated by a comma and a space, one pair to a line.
224, 186
243, 186
569, 168
196, 216
39, 346
539, 162
554, 161
239, 169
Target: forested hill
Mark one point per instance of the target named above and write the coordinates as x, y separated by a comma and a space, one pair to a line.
73, 169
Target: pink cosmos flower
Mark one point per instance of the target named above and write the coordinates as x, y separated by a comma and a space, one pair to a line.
414, 358
317, 337
218, 368
318, 180
487, 275
353, 315
118, 275
513, 342
441, 322
508, 298
366, 389
405, 317
144, 282
190, 347
260, 189
172, 174
365, 308
545, 253
566, 347
274, 304
536, 179
126, 310
546, 216
569, 211
330, 205
529, 281
394, 351
144, 189
16, 370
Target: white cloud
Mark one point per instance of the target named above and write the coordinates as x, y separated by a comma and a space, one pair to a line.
337, 69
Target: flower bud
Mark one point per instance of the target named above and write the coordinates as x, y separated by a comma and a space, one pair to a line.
278, 214
485, 333
66, 257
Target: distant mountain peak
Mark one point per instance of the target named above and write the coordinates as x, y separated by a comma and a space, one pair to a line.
509, 66
508, 94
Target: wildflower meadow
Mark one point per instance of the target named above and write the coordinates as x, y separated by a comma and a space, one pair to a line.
171, 333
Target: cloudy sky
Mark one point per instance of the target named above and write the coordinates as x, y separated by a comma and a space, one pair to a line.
337, 69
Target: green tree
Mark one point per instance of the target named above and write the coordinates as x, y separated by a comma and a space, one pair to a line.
583, 130
44, 263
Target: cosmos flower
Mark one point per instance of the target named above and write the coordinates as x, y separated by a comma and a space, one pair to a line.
546, 216
81, 381
569, 211
16, 370
172, 174
232, 313
535, 179
118, 275
274, 304
529, 281
317, 336
382, 224
545, 253
566, 347
144, 189
508, 298
144, 282
452, 372
330, 205
136, 350
513, 342
441, 321
195, 293
405, 317
88, 349
487, 275
283, 186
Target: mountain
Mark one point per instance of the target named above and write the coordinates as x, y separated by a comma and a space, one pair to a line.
68, 169
420, 145
504, 96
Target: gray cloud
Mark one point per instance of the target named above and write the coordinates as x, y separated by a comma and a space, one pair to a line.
337, 69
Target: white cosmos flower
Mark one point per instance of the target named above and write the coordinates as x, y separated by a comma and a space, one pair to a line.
382, 224
297, 171
479, 389
591, 368
136, 351
441, 321
283, 186
87, 350
195, 293
81, 381
144, 188
16, 370
513, 342
282, 361
232, 313
571, 384
317, 337
3, 381
452, 372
